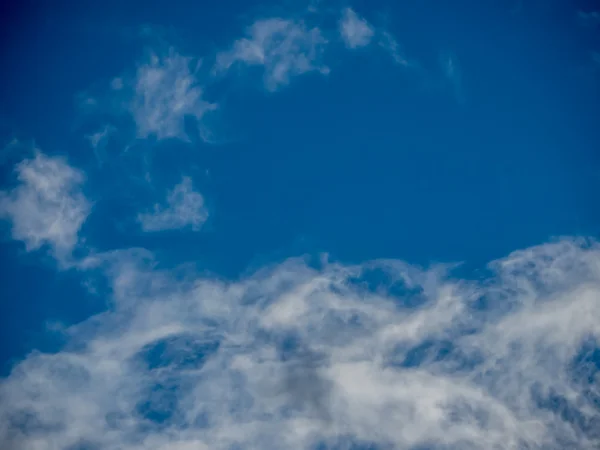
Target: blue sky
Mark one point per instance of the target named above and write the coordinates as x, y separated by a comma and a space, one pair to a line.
235, 225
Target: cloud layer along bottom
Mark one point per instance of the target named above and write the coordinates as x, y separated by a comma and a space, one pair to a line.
298, 356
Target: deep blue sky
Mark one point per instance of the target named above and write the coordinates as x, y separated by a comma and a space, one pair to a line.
365, 163
370, 161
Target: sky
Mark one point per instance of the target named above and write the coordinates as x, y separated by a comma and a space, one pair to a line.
303, 224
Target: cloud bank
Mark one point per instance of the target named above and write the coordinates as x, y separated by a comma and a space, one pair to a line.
384, 354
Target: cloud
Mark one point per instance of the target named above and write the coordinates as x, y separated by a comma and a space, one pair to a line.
47, 207
99, 140
355, 31
283, 48
185, 207
389, 43
165, 92
297, 357
589, 18
452, 72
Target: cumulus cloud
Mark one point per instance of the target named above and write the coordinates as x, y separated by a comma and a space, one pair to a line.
382, 354
355, 31
47, 207
184, 208
283, 48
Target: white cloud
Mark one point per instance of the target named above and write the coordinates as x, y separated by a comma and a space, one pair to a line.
355, 31
284, 48
47, 207
292, 357
185, 207
165, 92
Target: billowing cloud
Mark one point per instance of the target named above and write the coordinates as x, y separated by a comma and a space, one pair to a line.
297, 357
283, 48
355, 31
184, 208
47, 207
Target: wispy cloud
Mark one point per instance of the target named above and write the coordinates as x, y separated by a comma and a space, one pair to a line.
165, 92
452, 72
184, 208
589, 17
297, 358
355, 31
99, 140
283, 48
389, 43
47, 207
